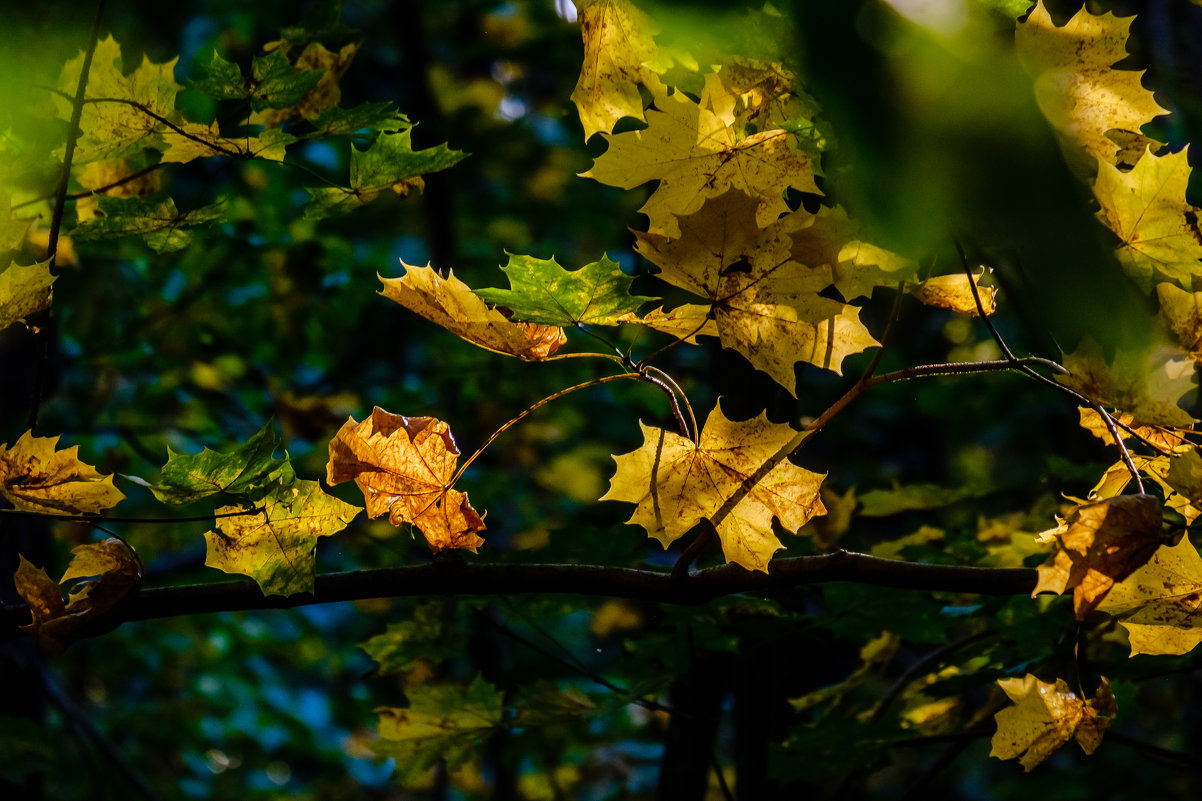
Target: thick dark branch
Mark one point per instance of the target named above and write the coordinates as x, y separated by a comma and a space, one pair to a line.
611, 582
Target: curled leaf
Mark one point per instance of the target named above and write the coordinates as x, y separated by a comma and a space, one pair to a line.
1046, 716
37, 478
404, 466
451, 303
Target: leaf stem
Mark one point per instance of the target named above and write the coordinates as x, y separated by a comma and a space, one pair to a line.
513, 421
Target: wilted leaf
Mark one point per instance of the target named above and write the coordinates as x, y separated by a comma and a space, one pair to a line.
442, 722
276, 546
111, 575
1046, 716
451, 303
1098, 545
677, 483
35, 477
403, 466
541, 291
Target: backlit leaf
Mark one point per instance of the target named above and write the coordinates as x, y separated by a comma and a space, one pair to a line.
618, 43
1046, 716
186, 479
403, 466
23, 291
1161, 603
541, 291
677, 483
37, 478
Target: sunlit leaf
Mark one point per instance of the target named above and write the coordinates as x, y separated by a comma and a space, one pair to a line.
36, 477
1046, 716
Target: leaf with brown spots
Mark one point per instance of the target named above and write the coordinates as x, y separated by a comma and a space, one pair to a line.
1161, 602
1046, 716
37, 478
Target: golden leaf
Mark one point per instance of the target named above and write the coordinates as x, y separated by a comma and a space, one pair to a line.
953, 292
1160, 602
618, 43
1046, 716
1146, 381
404, 465
677, 483
1075, 85
450, 303
35, 477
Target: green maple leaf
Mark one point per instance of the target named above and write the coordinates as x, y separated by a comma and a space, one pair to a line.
541, 291
443, 721
23, 291
186, 479
276, 84
164, 227
345, 121
390, 164
276, 545
222, 80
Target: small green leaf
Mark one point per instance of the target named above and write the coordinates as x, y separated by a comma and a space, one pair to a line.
277, 84
430, 634
442, 722
186, 479
541, 291
222, 80
159, 222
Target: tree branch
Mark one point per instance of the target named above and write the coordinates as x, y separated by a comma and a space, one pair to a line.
448, 579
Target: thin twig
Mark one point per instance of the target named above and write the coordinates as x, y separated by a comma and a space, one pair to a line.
667, 379
93, 519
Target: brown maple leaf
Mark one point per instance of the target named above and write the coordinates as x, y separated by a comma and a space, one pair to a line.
404, 467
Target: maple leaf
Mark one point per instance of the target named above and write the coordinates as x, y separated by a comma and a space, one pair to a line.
677, 483
108, 576
241, 471
685, 323
37, 478
389, 164
442, 722
159, 222
1167, 438
113, 121
190, 140
1148, 382
765, 304
758, 95
451, 303
1146, 208
1046, 716
1181, 311
541, 291
1161, 603
1097, 545
953, 292
403, 465
696, 155
618, 42
12, 229
24, 290
1075, 85
275, 546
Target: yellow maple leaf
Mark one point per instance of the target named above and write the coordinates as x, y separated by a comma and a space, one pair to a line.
1097, 545
109, 576
1161, 602
1181, 310
1146, 208
451, 303
115, 119
35, 477
275, 546
404, 466
1075, 85
191, 140
24, 290
695, 155
685, 322
677, 483
1046, 716
756, 93
618, 43
1167, 438
765, 304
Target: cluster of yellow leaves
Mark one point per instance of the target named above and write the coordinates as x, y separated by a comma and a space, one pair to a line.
404, 466
1046, 716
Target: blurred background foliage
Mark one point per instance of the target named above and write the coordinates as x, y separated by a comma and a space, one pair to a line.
934, 135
